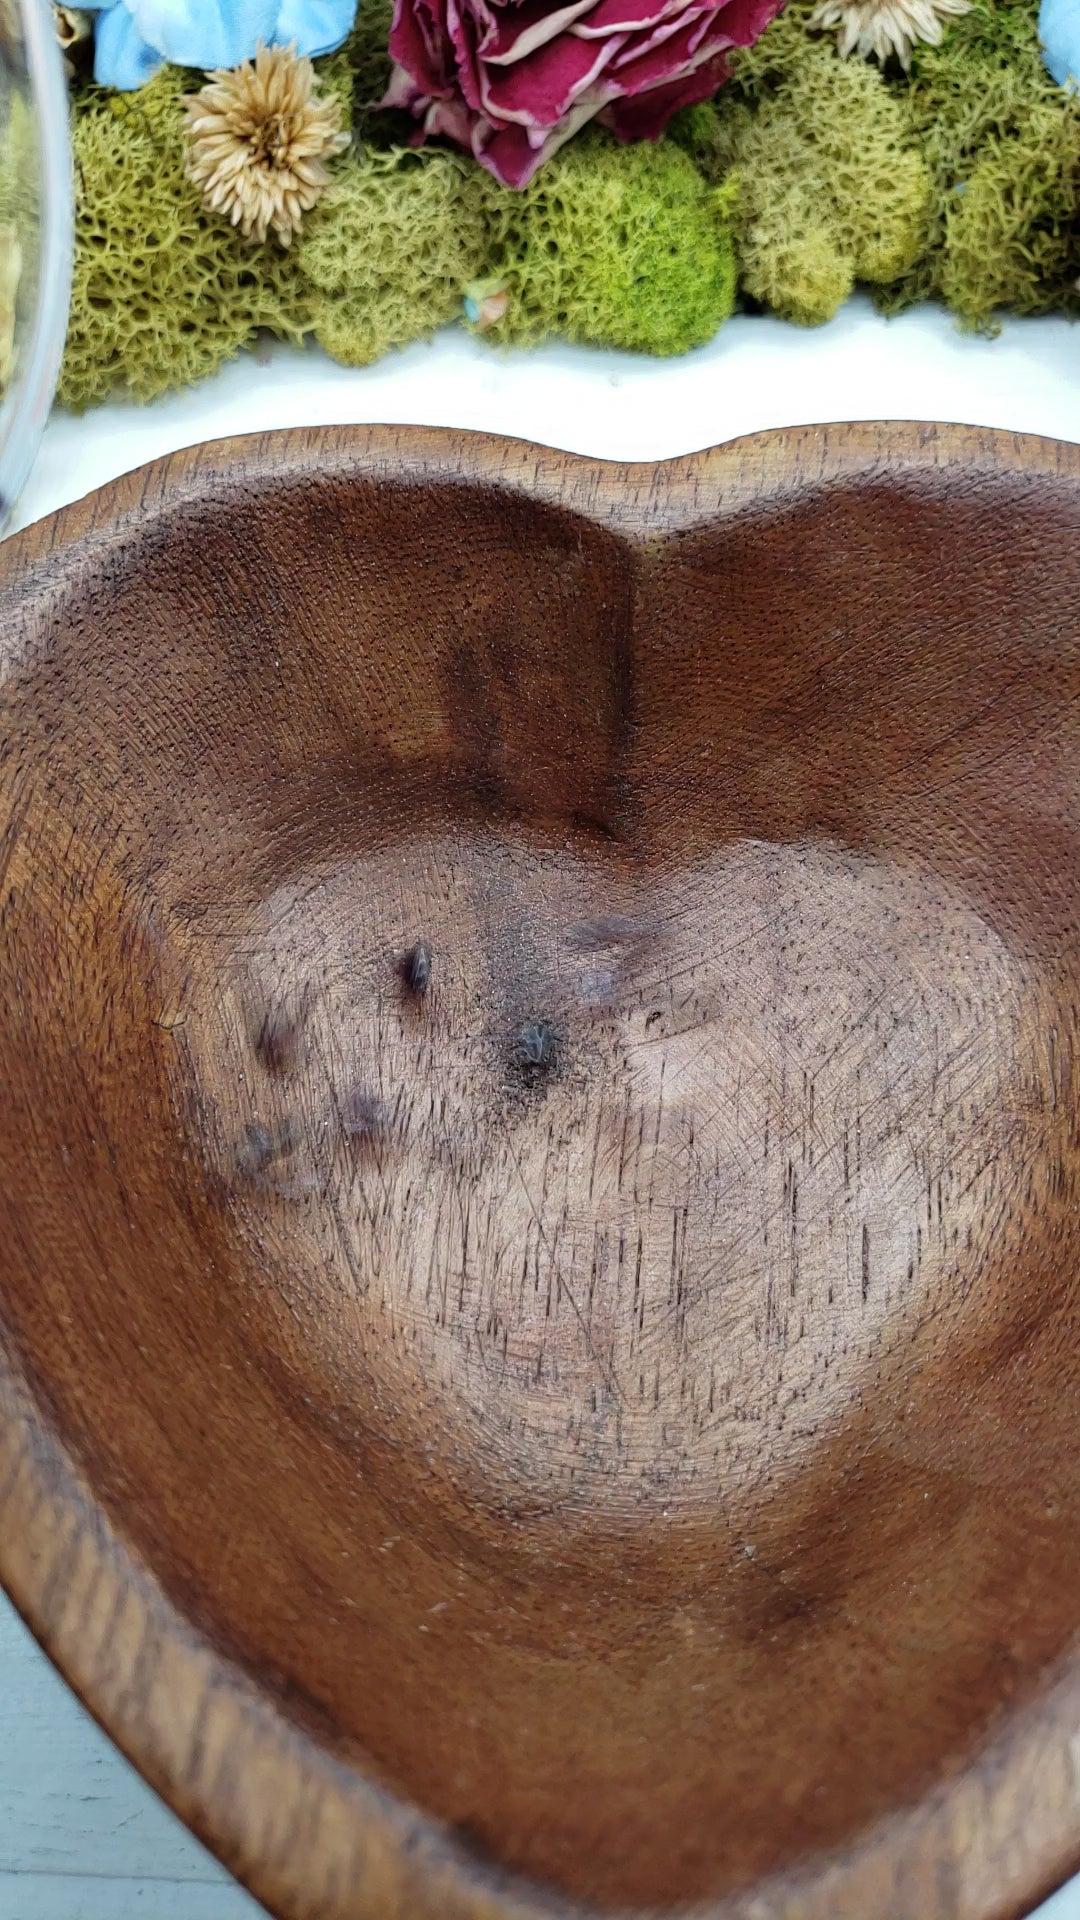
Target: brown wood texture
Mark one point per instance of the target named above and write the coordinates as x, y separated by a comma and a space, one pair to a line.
539, 1165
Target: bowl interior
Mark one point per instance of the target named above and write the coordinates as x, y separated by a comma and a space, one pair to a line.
620, 1399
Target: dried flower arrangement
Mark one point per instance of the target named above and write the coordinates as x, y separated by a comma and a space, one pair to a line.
614, 171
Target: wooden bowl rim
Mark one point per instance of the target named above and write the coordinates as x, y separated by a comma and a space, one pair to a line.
304, 1833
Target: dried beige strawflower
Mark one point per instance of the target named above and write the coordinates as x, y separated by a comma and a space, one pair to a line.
879, 28
257, 139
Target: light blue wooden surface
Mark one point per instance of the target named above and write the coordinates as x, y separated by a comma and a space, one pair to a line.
81, 1836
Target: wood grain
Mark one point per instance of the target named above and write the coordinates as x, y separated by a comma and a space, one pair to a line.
594, 1430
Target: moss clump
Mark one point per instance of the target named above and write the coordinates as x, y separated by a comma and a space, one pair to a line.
614, 246
1003, 145
1009, 238
832, 188
835, 192
759, 72
336, 81
19, 162
389, 250
368, 53
163, 293
961, 182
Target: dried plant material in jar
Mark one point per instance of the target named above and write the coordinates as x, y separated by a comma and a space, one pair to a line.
10, 274
74, 29
73, 25
258, 138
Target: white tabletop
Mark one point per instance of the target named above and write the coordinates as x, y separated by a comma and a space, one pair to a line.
757, 373
81, 1838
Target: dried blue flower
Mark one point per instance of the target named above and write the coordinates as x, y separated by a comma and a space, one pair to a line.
133, 38
1059, 31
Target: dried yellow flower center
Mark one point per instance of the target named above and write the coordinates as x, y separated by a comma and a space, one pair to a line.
270, 139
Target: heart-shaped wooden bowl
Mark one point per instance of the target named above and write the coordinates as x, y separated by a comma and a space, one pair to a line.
539, 1162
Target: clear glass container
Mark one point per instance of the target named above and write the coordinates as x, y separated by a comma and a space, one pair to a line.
36, 228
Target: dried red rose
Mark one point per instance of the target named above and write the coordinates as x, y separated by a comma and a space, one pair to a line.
511, 80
